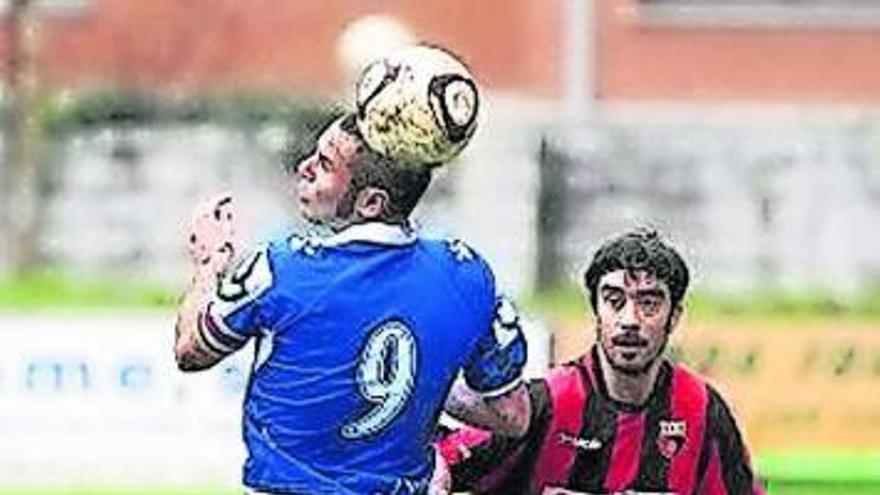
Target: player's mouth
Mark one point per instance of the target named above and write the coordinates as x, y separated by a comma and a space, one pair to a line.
629, 346
629, 341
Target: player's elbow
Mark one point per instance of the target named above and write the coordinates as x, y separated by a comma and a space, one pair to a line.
190, 359
514, 412
517, 426
519, 421
514, 427
188, 363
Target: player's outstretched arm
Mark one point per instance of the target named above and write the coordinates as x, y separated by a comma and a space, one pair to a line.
492, 394
507, 413
190, 350
211, 248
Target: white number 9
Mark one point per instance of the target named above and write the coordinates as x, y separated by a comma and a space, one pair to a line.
386, 376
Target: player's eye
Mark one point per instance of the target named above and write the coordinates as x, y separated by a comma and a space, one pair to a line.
614, 298
650, 304
325, 163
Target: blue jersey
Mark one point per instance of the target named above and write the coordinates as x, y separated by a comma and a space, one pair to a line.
359, 338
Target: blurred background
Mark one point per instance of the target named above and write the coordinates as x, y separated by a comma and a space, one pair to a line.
748, 131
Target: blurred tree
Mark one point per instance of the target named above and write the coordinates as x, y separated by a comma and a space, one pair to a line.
21, 208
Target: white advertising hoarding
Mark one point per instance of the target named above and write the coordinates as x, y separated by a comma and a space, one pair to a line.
98, 401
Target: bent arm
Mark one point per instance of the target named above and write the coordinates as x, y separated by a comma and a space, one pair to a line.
506, 413
482, 461
211, 250
191, 350
490, 393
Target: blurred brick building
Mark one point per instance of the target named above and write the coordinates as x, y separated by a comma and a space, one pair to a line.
680, 50
289, 45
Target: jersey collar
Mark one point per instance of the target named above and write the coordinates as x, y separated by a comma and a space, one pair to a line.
375, 233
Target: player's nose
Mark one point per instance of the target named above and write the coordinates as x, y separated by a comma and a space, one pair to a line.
306, 169
629, 320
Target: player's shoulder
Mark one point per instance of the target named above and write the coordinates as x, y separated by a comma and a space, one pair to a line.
455, 252
460, 260
565, 378
689, 387
296, 245
291, 251
270, 261
718, 406
686, 380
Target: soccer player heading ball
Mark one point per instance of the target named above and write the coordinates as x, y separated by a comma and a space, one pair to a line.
359, 335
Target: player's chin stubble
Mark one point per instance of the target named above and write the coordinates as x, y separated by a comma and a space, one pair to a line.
630, 370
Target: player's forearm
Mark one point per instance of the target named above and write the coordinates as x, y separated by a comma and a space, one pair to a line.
211, 249
507, 414
190, 350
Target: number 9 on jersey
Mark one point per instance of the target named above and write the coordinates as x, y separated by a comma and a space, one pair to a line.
386, 377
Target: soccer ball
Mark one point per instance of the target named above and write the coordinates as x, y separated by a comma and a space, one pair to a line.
417, 106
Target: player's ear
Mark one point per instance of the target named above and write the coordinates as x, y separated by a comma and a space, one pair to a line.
675, 316
371, 203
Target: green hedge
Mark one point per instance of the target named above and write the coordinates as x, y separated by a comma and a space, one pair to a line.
49, 290
569, 303
61, 114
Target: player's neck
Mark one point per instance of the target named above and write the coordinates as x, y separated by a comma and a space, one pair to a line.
628, 388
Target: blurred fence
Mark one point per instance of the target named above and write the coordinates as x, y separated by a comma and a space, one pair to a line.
758, 198
120, 197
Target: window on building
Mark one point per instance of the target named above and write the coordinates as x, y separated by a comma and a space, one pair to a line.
52, 7
757, 12
840, 3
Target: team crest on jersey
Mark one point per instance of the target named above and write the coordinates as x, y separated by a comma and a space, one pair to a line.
308, 245
460, 250
673, 434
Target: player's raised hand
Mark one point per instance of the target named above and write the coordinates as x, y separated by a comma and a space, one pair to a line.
211, 242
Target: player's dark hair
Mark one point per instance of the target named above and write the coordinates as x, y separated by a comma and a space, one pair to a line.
405, 185
640, 249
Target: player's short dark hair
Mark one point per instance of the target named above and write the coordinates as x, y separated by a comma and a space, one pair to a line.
405, 185
639, 249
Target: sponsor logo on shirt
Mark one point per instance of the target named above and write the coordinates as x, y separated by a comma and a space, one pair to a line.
589, 444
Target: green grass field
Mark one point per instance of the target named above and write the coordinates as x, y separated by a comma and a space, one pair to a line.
52, 291
818, 488
55, 290
821, 473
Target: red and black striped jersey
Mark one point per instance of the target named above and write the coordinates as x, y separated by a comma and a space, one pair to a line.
682, 441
